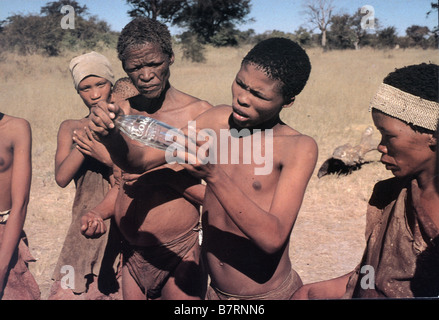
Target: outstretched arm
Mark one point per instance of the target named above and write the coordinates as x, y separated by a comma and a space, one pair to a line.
129, 155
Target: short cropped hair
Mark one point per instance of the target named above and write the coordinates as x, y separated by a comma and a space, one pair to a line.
141, 31
284, 60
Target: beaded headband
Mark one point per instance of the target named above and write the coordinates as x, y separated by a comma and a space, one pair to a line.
406, 107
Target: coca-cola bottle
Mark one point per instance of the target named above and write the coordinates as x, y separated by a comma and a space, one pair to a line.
150, 132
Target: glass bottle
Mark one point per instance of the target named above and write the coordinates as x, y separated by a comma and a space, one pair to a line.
150, 132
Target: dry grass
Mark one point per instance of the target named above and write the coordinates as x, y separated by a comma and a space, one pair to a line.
327, 240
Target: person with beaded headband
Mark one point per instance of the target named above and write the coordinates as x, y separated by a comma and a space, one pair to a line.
401, 259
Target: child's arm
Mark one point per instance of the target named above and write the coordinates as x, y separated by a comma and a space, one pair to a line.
92, 223
20, 189
68, 160
88, 145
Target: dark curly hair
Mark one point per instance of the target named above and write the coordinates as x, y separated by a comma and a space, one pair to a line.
141, 31
421, 80
284, 60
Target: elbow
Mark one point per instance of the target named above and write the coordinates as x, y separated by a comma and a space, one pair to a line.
273, 245
61, 182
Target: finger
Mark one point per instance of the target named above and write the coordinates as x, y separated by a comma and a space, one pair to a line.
91, 226
101, 116
98, 223
88, 133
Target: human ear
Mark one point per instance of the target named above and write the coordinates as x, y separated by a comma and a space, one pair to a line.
289, 102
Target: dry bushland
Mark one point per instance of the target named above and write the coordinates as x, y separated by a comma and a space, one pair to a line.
328, 237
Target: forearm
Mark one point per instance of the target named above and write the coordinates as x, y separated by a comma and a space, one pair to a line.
66, 170
11, 236
194, 193
328, 289
105, 209
132, 156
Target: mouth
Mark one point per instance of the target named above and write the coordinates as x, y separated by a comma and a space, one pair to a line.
146, 89
389, 166
239, 115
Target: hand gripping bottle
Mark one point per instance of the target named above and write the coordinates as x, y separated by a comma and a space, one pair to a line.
150, 132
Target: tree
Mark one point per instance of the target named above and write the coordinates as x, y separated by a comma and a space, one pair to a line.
54, 8
417, 35
35, 33
387, 37
341, 33
303, 36
203, 21
164, 10
319, 14
206, 18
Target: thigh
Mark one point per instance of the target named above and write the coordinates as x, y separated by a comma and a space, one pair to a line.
130, 288
189, 279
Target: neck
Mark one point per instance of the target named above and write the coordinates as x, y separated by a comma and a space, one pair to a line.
428, 182
269, 124
153, 105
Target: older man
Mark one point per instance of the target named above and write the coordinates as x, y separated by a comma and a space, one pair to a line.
157, 210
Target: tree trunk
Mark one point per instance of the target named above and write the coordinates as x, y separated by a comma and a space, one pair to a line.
324, 38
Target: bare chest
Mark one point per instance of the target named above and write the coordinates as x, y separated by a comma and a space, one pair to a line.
6, 155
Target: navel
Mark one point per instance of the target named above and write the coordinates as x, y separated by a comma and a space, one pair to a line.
256, 185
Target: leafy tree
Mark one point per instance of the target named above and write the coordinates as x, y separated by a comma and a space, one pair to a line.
156, 9
204, 21
342, 35
418, 35
53, 8
303, 36
206, 18
387, 37
43, 33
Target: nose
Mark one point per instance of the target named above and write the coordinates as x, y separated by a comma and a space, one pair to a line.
382, 148
242, 98
146, 74
95, 94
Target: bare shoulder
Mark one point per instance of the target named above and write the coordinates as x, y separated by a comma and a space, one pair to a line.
199, 106
17, 123
217, 111
16, 130
68, 125
297, 147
